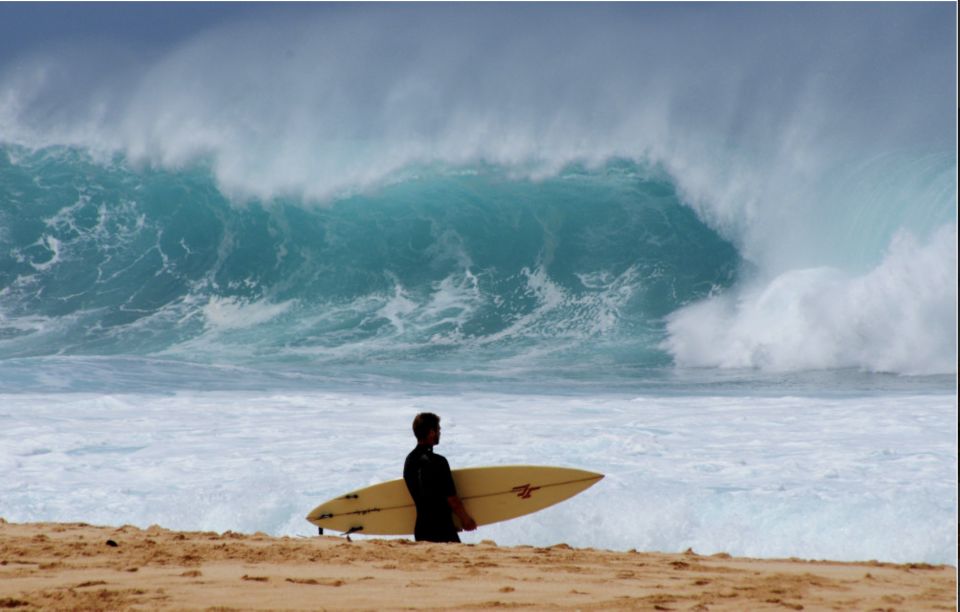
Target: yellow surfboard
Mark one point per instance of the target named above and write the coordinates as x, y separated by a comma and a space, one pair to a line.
490, 495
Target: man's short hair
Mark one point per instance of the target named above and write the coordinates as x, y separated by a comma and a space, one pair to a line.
424, 423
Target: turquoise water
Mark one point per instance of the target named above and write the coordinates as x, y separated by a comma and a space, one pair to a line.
452, 267
439, 275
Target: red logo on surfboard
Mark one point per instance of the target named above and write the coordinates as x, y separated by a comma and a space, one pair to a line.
524, 491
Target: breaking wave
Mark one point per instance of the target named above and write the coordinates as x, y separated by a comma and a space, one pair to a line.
384, 186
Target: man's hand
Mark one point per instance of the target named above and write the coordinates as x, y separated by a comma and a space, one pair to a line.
466, 521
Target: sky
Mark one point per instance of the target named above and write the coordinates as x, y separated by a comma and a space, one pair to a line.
31, 25
28, 26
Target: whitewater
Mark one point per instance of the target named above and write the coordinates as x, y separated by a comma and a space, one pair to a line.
709, 251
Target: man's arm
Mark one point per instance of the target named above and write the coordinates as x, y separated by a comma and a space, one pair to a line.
465, 519
453, 500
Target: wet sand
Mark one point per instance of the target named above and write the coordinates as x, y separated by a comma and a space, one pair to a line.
69, 566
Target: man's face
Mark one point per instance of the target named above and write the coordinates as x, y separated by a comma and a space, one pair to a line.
436, 435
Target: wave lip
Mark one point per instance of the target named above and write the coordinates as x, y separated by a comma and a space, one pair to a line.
320, 105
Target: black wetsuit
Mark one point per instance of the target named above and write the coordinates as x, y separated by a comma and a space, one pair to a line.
430, 484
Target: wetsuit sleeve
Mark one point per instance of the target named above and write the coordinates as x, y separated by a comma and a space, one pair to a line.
445, 479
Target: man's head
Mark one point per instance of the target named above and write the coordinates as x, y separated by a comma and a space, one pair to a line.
426, 426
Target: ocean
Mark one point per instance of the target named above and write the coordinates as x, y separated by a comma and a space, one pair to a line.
233, 269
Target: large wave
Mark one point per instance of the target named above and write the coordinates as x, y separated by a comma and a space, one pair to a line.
103, 260
380, 183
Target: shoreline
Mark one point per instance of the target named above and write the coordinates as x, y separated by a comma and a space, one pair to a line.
80, 566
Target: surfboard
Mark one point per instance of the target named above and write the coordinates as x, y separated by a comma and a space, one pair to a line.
490, 495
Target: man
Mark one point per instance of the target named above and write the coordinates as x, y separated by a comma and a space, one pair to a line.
430, 483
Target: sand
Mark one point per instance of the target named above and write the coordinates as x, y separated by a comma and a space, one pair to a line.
77, 566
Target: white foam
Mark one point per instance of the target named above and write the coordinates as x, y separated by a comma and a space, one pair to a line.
233, 313
398, 307
54, 247
898, 317
851, 479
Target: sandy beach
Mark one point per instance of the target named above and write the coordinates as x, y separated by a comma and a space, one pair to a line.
78, 566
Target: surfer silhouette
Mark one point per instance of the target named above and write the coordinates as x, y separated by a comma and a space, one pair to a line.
431, 486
